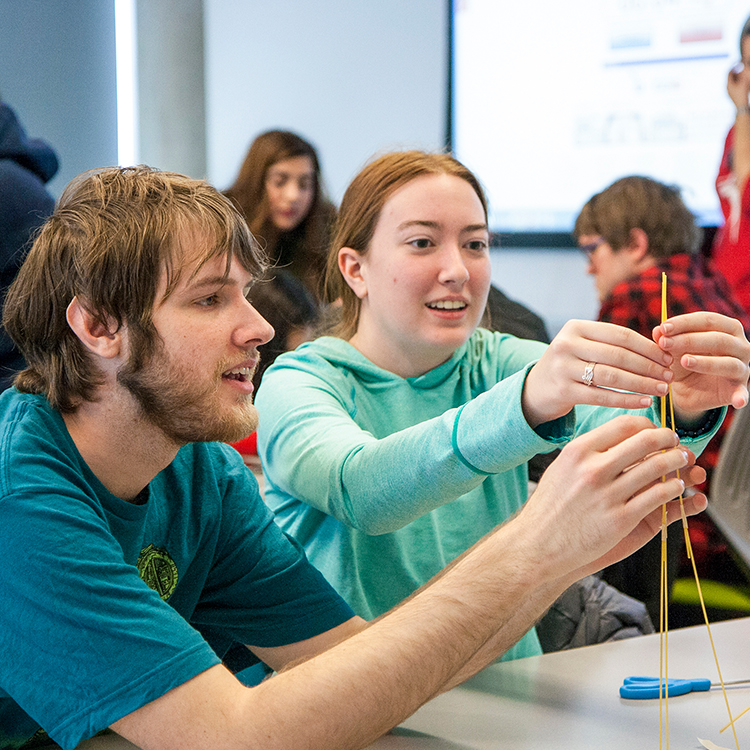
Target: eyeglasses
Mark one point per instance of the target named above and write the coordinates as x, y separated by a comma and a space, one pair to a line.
589, 249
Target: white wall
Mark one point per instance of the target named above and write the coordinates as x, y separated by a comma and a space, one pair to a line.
171, 112
353, 77
553, 283
57, 71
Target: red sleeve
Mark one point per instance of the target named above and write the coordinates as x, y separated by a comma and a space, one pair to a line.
248, 445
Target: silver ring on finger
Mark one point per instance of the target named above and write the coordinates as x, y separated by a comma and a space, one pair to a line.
588, 374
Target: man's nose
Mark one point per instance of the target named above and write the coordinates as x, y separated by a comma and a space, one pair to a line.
253, 328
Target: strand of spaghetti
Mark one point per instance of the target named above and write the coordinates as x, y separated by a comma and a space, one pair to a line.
661, 647
663, 583
700, 597
716, 658
663, 684
664, 635
670, 398
741, 713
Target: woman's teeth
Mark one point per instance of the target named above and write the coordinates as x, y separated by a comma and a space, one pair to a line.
447, 305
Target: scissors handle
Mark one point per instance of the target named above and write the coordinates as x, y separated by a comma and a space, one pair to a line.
642, 688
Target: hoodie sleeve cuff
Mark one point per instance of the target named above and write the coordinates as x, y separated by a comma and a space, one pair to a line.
491, 433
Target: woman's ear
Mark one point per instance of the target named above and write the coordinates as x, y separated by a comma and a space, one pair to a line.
98, 338
352, 269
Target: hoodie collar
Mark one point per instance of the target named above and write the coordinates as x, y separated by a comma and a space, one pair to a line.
342, 354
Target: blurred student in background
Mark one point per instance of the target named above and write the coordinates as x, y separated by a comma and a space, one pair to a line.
284, 301
292, 311
731, 247
26, 165
280, 192
631, 233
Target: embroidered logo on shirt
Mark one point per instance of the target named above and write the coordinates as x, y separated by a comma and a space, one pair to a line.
158, 570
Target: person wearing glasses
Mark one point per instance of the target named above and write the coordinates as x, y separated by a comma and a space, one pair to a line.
632, 232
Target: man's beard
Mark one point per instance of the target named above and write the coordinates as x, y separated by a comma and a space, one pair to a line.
184, 410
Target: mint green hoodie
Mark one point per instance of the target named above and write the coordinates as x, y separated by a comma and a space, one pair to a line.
385, 480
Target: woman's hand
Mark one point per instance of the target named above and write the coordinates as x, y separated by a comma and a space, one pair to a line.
738, 85
738, 88
596, 363
711, 355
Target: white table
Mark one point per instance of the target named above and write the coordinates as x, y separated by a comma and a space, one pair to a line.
571, 700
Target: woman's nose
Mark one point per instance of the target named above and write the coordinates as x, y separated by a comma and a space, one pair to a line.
292, 191
454, 270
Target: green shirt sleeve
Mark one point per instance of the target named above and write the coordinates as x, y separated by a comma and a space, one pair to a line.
313, 450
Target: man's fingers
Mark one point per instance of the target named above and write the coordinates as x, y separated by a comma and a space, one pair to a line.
627, 440
658, 469
639, 460
693, 502
615, 431
666, 491
741, 397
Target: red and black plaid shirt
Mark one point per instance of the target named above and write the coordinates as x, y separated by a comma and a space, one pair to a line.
693, 284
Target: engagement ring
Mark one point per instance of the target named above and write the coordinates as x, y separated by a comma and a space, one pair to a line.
588, 373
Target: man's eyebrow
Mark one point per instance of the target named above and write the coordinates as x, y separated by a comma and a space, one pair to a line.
213, 282
208, 281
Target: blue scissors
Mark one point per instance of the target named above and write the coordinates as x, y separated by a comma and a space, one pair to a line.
641, 688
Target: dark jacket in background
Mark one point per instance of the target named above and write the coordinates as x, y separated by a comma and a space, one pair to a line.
26, 164
508, 316
591, 611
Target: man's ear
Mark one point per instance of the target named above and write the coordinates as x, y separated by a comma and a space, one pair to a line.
638, 244
351, 267
98, 338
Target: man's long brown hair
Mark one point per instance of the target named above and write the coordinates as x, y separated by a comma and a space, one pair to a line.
113, 233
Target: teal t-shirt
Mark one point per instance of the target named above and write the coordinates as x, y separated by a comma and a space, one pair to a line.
107, 605
385, 480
